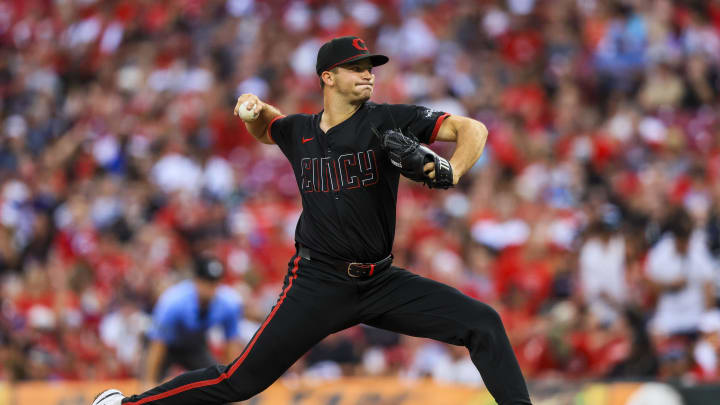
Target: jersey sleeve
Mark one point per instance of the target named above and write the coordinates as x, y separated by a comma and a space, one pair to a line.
661, 266
163, 323
704, 262
653, 265
280, 130
232, 316
420, 121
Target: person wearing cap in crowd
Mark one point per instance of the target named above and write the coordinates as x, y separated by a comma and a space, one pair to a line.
182, 317
342, 273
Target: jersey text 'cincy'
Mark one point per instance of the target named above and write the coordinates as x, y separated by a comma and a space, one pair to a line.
348, 171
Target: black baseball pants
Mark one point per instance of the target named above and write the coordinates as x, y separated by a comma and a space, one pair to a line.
317, 300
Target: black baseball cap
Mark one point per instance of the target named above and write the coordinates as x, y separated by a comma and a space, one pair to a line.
343, 50
208, 268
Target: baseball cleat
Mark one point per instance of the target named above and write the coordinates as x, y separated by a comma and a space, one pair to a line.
109, 397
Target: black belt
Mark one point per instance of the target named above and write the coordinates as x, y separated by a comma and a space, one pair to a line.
353, 269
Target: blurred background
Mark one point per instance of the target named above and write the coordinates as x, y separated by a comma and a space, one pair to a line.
591, 223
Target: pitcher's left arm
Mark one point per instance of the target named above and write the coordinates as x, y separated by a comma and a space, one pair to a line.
470, 136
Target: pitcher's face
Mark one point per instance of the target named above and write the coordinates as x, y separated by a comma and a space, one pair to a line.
355, 80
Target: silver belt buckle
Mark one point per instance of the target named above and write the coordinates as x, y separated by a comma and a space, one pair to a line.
349, 272
362, 269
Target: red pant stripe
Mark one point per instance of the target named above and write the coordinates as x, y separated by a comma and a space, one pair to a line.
237, 364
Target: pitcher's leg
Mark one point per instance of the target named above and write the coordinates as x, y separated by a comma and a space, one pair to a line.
306, 311
409, 304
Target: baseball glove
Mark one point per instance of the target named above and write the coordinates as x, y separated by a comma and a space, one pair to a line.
410, 157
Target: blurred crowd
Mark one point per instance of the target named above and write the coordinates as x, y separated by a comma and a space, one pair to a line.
591, 223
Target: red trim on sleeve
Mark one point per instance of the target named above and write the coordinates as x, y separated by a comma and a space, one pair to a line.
438, 123
270, 125
372, 269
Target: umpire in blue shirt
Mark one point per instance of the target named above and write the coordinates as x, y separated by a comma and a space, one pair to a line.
182, 317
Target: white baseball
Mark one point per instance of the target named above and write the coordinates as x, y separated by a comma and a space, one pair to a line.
245, 114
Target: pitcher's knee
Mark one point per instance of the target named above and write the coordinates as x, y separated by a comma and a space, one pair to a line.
483, 315
493, 317
484, 326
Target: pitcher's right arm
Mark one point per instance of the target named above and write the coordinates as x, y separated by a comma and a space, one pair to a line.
266, 114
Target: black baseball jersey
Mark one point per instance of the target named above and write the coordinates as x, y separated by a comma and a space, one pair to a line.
347, 183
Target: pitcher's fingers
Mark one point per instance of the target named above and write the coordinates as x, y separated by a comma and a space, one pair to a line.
237, 106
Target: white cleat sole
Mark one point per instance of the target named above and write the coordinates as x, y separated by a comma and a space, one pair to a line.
109, 397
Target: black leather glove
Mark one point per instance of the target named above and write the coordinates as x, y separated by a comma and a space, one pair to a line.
410, 157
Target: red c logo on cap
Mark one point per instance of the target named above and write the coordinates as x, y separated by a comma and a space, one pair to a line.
359, 44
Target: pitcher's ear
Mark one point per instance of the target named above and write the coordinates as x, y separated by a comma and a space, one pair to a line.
327, 77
